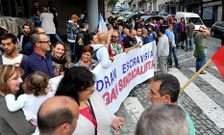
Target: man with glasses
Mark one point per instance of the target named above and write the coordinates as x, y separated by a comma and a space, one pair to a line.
115, 46
165, 89
10, 45
40, 59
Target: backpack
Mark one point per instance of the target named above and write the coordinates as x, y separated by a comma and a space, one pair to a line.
94, 54
80, 39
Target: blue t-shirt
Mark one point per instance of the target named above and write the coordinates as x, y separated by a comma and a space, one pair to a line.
170, 36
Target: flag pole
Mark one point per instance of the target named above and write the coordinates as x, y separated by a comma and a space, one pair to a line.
195, 76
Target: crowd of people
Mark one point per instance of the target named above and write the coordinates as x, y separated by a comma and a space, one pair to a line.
74, 107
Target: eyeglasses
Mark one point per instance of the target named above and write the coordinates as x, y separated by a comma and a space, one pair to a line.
45, 42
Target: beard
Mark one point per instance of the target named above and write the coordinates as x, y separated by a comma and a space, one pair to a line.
26, 33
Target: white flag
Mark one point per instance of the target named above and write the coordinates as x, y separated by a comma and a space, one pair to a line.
102, 25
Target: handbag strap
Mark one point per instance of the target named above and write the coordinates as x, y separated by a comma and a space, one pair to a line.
93, 114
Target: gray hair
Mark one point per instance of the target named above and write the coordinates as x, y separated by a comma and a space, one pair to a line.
36, 38
163, 119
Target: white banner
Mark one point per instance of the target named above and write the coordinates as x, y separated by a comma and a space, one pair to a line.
127, 70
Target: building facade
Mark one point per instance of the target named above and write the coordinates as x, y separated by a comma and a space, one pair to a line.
212, 11
22, 8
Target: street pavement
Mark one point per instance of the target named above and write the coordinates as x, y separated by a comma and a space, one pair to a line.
203, 99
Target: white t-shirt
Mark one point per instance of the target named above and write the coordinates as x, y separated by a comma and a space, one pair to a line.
16, 61
47, 23
30, 104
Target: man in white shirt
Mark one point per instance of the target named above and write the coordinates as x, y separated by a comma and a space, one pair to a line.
11, 56
163, 50
99, 43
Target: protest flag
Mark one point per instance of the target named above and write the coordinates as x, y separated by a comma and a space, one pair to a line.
102, 25
218, 60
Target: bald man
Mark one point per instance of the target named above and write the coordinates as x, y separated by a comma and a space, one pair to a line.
130, 42
58, 116
100, 50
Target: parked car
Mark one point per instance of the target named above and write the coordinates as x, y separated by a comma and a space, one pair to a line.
116, 10
163, 13
171, 16
217, 30
147, 18
196, 19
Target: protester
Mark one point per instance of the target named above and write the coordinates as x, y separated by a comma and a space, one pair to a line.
57, 116
165, 89
189, 30
125, 33
11, 56
101, 52
162, 119
172, 48
72, 28
40, 59
182, 33
175, 32
130, 42
200, 51
36, 92
86, 59
115, 47
24, 37
93, 112
12, 123
93, 38
163, 50
147, 36
28, 47
59, 58
3, 30
139, 36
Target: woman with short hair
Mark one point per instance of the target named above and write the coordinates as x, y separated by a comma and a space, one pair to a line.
86, 58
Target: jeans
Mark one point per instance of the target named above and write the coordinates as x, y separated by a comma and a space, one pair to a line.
173, 50
189, 45
72, 48
201, 62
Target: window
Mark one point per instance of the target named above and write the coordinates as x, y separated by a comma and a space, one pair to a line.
196, 20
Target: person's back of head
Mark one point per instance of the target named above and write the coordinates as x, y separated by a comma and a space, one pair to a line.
102, 37
162, 119
189, 21
36, 83
38, 30
78, 79
58, 116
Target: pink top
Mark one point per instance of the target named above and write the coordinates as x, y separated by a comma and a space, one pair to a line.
86, 112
